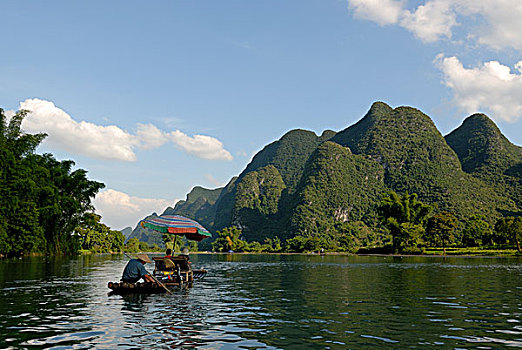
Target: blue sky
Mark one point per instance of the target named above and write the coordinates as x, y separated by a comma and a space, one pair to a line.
153, 98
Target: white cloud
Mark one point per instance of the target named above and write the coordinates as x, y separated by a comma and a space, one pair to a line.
491, 86
150, 136
201, 146
110, 142
104, 142
430, 21
119, 210
382, 12
496, 23
503, 23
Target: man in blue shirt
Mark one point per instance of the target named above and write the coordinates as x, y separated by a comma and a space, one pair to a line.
135, 270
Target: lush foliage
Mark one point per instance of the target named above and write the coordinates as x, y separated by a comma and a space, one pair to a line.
440, 229
256, 202
325, 191
486, 154
229, 239
97, 237
260, 190
289, 156
417, 159
405, 217
509, 230
337, 187
134, 245
476, 232
42, 199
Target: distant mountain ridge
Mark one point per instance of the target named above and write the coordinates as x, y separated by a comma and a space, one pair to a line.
304, 184
488, 155
199, 205
126, 231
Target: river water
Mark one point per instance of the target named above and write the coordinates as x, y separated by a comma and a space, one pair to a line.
267, 301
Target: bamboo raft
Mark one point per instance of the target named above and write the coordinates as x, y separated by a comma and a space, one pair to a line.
172, 272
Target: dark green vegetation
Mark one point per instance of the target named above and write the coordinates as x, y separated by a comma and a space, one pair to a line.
405, 218
97, 237
43, 200
336, 186
389, 182
487, 155
45, 205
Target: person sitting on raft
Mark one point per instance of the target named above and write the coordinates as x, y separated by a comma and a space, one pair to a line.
168, 253
135, 270
185, 255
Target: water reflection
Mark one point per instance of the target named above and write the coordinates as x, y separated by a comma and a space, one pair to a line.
267, 301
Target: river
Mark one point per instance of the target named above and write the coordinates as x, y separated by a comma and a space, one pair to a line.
267, 302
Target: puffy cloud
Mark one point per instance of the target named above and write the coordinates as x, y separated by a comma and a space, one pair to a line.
150, 136
201, 146
503, 22
110, 142
104, 142
430, 21
498, 28
381, 11
491, 86
119, 210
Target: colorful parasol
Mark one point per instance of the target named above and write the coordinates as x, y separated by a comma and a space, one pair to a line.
178, 225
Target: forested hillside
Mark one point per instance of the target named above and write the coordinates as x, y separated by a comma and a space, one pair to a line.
330, 187
417, 159
486, 154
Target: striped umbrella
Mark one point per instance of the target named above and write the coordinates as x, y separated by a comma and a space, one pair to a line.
178, 225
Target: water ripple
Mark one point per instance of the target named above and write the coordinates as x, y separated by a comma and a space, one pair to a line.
267, 302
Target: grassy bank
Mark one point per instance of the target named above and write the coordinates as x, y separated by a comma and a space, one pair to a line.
475, 251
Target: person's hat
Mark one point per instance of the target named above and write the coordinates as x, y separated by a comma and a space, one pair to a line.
185, 251
144, 258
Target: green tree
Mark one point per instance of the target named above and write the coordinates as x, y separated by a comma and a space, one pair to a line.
116, 240
440, 229
295, 244
20, 231
172, 241
254, 247
510, 228
271, 245
65, 198
192, 246
132, 246
404, 217
476, 231
229, 239
96, 236
43, 200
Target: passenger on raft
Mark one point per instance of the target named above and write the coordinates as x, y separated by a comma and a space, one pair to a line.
168, 253
185, 254
135, 270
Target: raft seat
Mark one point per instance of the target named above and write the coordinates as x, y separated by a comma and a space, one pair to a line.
173, 265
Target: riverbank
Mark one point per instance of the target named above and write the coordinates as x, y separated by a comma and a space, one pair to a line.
432, 252
473, 252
